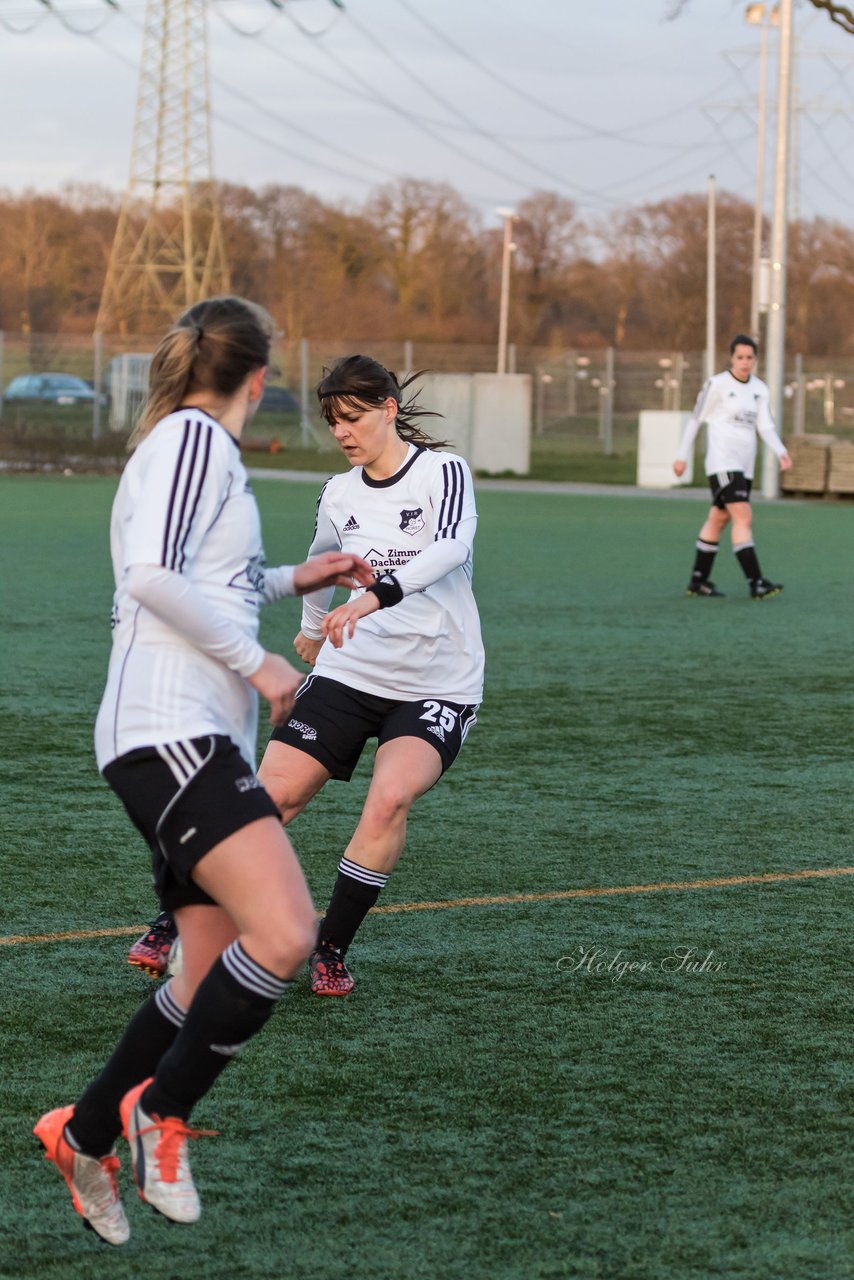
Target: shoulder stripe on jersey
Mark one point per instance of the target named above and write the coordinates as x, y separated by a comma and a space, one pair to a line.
173, 495
451, 510
317, 507
202, 472
193, 438
190, 473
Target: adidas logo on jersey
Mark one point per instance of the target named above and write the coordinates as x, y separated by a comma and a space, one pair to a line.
351, 525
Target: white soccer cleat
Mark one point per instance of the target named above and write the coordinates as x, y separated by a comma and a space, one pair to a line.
161, 1168
91, 1181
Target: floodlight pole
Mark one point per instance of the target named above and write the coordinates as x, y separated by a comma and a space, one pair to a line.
504, 305
758, 16
711, 285
776, 332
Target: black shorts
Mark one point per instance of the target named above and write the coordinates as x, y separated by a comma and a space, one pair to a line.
729, 486
332, 722
185, 797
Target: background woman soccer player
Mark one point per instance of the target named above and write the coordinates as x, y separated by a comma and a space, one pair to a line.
734, 406
175, 739
402, 661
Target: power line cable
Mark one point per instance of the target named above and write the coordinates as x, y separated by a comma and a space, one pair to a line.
496, 141
833, 155
301, 130
702, 166
247, 132
591, 131
306, 31
312, 161
269, 19
364, 89
50, 10
600, 197
395, 107
820, 178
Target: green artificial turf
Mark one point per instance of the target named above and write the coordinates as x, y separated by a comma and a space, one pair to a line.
502, 1098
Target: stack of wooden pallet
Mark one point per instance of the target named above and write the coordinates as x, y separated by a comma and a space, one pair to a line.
810, 464
840, 473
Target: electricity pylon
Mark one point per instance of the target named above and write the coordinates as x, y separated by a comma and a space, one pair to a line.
168, 250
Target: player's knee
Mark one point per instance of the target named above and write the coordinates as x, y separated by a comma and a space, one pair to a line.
285, 942
275, 784
299, 946
390, 805
281, 791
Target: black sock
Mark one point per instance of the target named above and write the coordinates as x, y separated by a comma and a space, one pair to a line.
95, 1124
230, 1007
745, 554
703, 560
356, 890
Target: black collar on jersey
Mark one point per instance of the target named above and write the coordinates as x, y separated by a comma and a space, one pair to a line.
398, 475
742, 382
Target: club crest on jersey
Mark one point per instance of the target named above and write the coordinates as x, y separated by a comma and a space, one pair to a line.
412, 521
252, 577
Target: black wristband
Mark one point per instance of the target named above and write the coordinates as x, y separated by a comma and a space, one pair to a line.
387, 590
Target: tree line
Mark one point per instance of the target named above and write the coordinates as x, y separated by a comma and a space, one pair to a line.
414, 260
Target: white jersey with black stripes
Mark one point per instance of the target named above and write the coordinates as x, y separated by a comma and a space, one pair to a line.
183, 506
419, 524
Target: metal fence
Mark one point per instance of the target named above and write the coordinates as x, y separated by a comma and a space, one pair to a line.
574, 391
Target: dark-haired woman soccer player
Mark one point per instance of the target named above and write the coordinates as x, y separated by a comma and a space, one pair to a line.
175, 739
734, 406
402, 661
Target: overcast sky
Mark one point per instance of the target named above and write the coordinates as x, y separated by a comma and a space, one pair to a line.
607, 103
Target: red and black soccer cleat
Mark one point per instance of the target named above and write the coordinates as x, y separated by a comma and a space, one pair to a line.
329, 974
150, 953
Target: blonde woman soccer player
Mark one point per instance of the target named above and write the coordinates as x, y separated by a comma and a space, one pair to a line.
175, 739
734, 406
402, 661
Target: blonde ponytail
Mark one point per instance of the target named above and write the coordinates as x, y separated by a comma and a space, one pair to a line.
212, 348
168, 379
